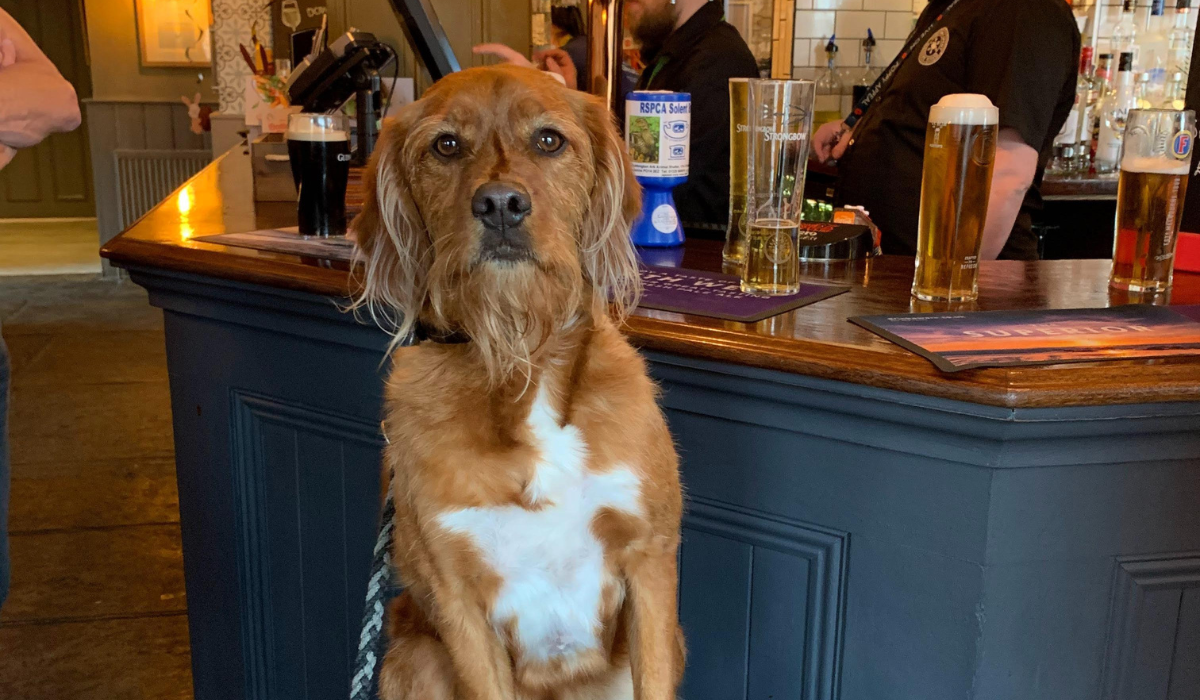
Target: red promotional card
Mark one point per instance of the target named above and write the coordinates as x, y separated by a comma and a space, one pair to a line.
958, 341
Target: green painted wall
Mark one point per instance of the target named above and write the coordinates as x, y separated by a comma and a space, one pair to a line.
117, 73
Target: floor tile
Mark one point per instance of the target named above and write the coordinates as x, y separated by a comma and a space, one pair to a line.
75, 303
124, 659
49, 247
90, 358
83, 574
85, 422
24, 349
58, 495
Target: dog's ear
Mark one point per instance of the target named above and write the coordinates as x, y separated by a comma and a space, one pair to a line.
392, 241
609, 260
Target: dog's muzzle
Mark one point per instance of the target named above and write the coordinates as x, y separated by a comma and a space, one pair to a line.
502, 207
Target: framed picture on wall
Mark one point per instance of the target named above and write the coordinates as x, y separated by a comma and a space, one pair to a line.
175, 32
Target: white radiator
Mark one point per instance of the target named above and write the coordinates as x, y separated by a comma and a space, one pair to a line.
145, 178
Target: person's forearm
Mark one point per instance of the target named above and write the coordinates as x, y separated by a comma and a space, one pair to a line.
1012, 174
1004, 204
35, 103
35, 100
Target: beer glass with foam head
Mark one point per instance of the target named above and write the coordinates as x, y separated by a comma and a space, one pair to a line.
1155, 158
319, 151
781, 113
960, 150
739, 169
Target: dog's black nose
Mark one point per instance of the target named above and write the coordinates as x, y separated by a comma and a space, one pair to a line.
500, 205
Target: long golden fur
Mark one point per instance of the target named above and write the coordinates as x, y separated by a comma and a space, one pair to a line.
546, 405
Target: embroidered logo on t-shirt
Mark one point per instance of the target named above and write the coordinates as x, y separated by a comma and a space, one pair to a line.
935, 47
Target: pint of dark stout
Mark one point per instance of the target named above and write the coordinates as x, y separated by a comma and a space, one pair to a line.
1155, 158
319, 151
960, 151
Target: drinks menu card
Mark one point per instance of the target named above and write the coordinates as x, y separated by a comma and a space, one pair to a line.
958, 341
720, 296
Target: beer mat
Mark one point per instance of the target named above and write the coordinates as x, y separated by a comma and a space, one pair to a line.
958, 341
719, 296
287, 240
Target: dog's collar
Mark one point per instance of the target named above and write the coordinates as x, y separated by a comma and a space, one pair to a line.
425, 332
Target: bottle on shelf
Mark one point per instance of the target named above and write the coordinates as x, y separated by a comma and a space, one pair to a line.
869, 73
1153, 58
1124, 34
1113, 111
1088, 92
1173, 96
828, 107
1104, 71
1102, 83
1066, 147
1179, 40
1142, 98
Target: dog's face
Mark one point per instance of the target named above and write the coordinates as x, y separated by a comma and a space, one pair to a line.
499, 205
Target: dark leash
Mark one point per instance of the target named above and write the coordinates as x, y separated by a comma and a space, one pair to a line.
381, 588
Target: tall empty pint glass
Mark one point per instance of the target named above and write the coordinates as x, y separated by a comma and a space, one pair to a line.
739, 169
960, 150
1155, 158
781, 113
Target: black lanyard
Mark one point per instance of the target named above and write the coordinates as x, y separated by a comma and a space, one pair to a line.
890, 72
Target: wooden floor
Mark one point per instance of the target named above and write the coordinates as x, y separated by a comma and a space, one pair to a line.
49, 247
97, 606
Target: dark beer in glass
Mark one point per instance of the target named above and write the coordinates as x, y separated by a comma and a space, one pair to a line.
319, 151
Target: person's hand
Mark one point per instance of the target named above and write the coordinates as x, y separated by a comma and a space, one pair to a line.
559, 61
8, 52
828, 138
6, 155
502, 52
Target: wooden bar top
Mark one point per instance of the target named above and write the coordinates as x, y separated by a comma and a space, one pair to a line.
815, 340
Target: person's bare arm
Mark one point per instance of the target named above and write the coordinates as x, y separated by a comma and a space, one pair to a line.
1016, 163
35, 100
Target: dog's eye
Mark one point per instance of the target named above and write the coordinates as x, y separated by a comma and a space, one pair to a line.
549, 141
446, 145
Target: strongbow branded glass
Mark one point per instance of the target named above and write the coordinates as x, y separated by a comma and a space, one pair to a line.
1155, 158
739, 169
960, 149
319, 151
780, 128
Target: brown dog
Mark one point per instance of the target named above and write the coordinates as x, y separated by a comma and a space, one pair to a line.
536, 486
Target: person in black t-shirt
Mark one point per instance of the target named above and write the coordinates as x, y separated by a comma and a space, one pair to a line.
1021, 54
689, 47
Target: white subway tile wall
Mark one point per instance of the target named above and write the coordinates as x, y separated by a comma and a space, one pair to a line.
853, 24
891, 21
899, 24
814, 27
812, 24
837, 4
888, 5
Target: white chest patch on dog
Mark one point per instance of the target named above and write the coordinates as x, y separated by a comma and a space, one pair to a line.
551, 564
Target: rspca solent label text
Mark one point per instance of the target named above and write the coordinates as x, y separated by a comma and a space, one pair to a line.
664, 108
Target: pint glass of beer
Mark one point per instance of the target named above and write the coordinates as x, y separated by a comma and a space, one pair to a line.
1155, 157
319, 151
781, 113
960, 150
739, 169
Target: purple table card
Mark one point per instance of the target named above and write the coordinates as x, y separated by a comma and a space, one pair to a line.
720, 296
